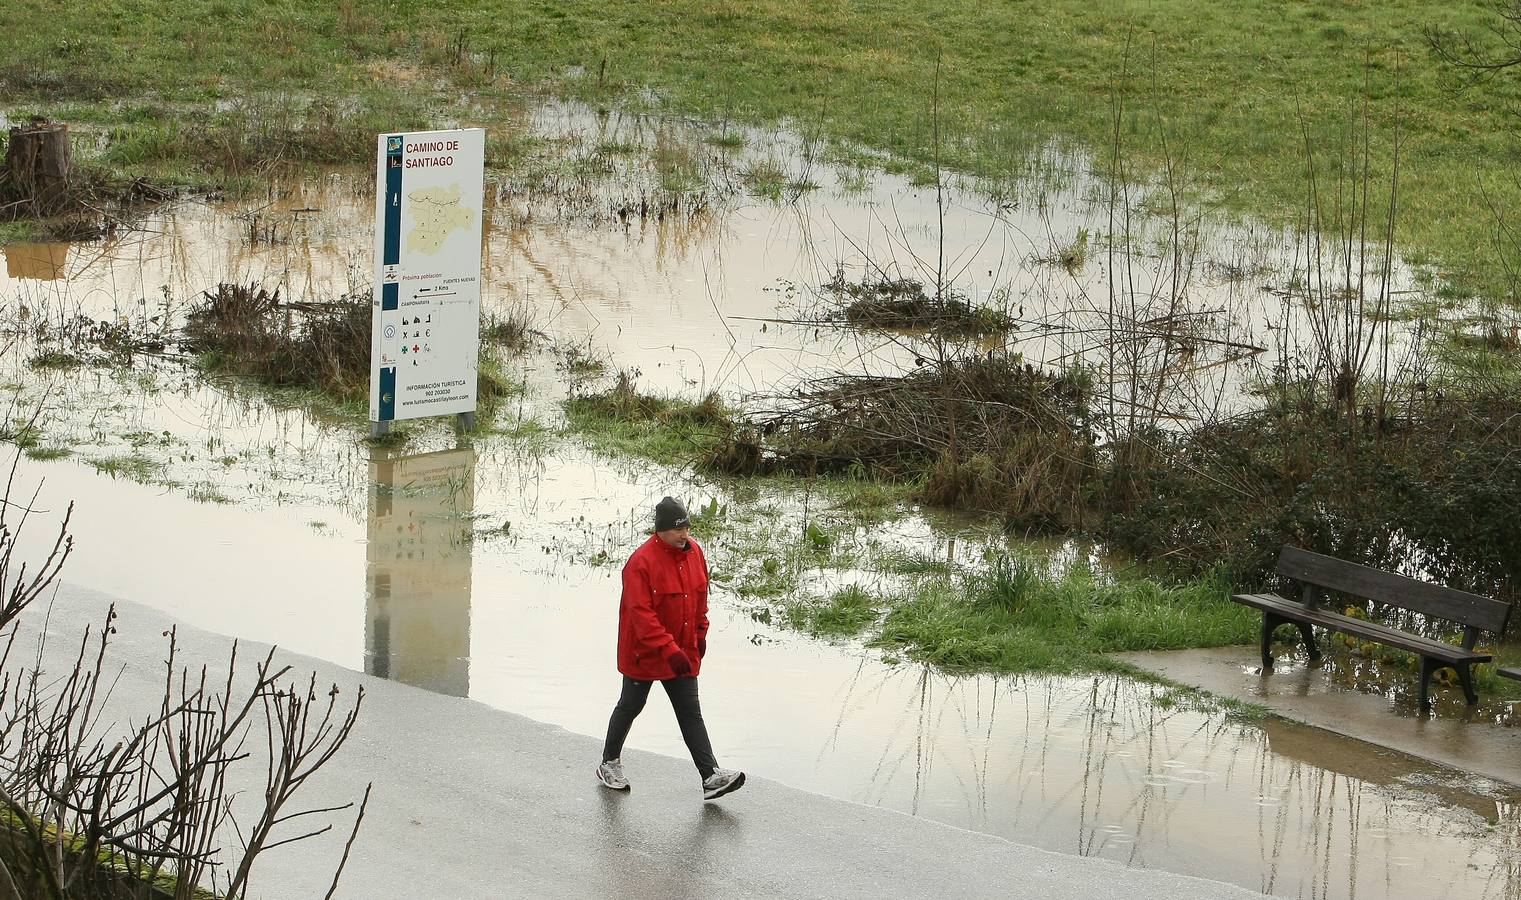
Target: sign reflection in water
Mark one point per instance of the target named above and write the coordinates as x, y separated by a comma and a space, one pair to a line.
38, 262
417, 569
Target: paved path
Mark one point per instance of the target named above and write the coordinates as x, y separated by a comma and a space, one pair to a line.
1456, 737
472, 802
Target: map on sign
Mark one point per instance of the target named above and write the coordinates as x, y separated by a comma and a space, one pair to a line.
436, 213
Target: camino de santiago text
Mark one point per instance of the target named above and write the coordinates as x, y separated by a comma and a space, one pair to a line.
442, 154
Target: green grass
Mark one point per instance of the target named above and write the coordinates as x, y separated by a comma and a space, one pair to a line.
845, 613
1013, 618
24, 434
20, 233
47, 453
206, 492
671, 430
1231, 86
16, 841
134, 467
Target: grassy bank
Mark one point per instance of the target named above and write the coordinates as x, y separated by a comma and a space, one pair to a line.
1231, 88
796, 536
1015, 616
1205, 509
1011, 616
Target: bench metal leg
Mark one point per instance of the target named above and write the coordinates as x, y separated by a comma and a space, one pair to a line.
1270, 623
1308, 633
1465, 678
1428, 668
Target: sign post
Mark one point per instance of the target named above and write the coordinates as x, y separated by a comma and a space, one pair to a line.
425, 325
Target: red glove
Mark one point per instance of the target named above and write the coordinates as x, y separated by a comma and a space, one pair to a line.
702, 647
680, 664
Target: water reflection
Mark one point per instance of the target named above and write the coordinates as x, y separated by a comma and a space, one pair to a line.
417, 569
1099, 767
38, 262
724, 292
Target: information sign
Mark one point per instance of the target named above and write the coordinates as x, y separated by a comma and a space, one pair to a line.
425, 330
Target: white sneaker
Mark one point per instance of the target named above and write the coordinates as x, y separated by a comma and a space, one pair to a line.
722, 781
610, 773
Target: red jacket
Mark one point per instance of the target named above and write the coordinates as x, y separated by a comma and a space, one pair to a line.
664, 609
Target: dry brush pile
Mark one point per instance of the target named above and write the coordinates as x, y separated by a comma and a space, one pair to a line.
985, 431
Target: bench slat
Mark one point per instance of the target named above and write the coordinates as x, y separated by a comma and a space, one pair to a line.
1509, 673
1325, 618
1387, 587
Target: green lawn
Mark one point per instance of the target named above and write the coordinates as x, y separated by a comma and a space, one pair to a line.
1228, 83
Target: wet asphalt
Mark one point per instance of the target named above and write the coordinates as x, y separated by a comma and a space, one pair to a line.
473, 802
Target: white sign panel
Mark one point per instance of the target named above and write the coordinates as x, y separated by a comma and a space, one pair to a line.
425, 330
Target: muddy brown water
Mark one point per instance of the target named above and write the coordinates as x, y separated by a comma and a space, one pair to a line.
489, 571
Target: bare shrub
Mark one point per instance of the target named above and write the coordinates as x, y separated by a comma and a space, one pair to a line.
95, 808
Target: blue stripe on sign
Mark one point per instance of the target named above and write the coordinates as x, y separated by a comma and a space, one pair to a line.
390, 296
392, 254
387, 394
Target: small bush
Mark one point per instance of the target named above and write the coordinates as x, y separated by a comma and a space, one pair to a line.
248, 330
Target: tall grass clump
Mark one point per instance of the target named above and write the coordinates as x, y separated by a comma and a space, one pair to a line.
845, 613
322, 347
248, 330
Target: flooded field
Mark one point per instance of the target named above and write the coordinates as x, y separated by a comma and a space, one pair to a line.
706, 269
487, 568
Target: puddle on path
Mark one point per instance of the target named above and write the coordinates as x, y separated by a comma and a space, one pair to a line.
490, 571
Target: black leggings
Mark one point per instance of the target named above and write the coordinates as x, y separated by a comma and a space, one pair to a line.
683, 694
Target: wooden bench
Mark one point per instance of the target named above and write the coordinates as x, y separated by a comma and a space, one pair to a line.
1509, 673
1315, 574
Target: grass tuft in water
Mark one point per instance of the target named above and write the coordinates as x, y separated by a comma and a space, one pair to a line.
845, 613
1013, 618
134, 467
669, 429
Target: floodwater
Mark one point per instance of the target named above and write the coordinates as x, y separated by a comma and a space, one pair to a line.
723, 291
488, 569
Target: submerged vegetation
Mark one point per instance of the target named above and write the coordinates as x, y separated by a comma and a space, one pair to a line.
322, 347
247, 330
902, 304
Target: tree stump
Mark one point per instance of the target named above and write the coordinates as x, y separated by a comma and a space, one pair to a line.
38, 165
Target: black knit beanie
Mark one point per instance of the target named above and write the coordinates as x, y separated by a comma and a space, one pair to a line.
669, 513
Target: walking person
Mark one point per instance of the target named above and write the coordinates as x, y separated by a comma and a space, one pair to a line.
663, 636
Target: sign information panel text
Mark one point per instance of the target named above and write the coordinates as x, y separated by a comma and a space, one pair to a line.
425, 328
